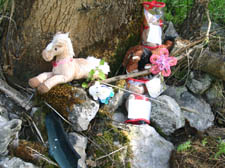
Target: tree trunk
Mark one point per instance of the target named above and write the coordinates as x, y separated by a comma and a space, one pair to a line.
194, 20
89, 23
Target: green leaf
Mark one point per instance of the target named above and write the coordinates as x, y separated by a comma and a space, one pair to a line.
185, 146
101, 75
221, 149
102, 62
84, 85
204, 142
91, 74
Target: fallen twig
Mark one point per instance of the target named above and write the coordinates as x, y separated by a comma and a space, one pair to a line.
58, 114
41, 156
131, 75
189, 110
99, 147
185, 48
35, 127
209, 25
111, 153
15, 95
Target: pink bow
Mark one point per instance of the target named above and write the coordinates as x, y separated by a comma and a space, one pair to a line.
162, 62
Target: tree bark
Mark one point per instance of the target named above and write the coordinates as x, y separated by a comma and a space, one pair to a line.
194, 20
89, 22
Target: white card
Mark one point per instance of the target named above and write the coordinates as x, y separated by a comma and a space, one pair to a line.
139, 109
155, 86
155, 34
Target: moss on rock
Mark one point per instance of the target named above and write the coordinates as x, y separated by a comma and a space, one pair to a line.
62, 98
106, 139
27, 151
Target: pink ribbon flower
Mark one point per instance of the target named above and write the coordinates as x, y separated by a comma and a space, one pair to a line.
162, 62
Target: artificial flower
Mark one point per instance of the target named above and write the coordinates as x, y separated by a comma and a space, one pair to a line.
162, 62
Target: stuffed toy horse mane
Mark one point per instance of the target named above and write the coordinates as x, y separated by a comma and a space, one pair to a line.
65, 68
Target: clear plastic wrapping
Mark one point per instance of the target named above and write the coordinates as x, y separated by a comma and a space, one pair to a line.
153, 21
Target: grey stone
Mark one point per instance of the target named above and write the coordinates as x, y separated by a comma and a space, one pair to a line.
149, 149
8, 132
171, 31
214, 28
116, 101
82, 113
166, 114
194, 109
199, 83
13, 110
3, 112
215, 95
79, 143
118, 117
15, 163
209, 62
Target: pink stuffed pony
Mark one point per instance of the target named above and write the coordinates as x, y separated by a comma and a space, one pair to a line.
65, 68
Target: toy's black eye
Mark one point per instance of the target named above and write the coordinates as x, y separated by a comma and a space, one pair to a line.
55, 49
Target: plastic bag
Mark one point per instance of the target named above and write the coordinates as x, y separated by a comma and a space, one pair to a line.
152, 29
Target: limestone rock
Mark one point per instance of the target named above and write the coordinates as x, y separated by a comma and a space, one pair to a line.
167, 114
116, 101
199, 83
118, 117
8, 131
15, 163
81, 114
171, 31
215, 95
149, 149
3, 112
9, 109
79, 143
194, 109
210, 62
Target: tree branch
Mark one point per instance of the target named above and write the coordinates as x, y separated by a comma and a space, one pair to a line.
15, 95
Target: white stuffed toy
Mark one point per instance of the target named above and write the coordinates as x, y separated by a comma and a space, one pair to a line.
101, 92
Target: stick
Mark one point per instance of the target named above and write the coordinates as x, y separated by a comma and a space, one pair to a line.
41, 156
111, 153
132, 75
187, 47
15, 95
36, 128
58, 113
209, 25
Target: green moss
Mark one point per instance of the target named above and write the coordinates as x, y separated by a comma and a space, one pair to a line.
107, 139
158, 129
62, 98
23, 151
